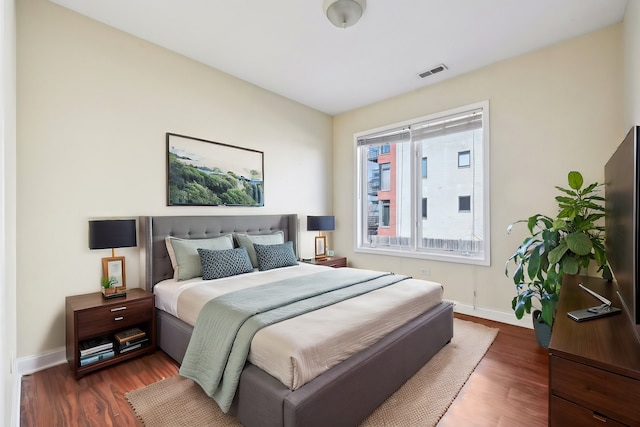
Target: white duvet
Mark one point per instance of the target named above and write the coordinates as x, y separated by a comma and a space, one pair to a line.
297, 350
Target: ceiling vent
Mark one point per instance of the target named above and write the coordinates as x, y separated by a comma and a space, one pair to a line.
434, 70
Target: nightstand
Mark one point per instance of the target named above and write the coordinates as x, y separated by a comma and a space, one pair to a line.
91, 316
332, 261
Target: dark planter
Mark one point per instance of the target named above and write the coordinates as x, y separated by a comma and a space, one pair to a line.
542, 330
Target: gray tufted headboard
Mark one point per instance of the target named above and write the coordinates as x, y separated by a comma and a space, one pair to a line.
154, 229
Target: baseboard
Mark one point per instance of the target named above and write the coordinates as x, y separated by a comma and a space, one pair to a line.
30, 364
495, 315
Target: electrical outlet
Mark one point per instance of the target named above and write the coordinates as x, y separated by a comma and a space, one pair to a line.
425, 271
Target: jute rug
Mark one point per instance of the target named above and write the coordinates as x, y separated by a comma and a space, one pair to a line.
421, 401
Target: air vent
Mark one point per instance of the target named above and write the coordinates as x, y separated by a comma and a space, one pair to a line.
433, 71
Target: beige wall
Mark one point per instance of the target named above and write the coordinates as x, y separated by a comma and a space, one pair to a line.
94, 104
551, 111
631, 44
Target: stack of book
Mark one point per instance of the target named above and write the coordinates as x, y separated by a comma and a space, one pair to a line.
95, 349
131, 339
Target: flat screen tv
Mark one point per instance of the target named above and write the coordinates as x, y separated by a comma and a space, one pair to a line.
622, 222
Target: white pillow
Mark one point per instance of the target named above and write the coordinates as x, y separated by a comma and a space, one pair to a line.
184, 254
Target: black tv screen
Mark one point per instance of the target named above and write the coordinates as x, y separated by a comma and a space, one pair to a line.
622, 221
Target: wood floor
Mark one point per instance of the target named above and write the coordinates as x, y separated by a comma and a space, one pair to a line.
508, 388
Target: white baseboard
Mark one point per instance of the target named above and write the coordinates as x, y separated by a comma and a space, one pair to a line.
491, 314
30, 364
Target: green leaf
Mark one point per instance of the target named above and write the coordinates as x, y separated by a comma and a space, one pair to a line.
575, 180
534, 262
570, 265
557, 253
579, 243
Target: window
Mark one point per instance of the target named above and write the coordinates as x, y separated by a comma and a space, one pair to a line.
385, 177
464, 204
385, 219
464, 159
395, 222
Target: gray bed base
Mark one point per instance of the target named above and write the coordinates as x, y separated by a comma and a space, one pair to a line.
342, 396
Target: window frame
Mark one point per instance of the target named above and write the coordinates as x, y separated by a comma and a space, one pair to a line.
360, 199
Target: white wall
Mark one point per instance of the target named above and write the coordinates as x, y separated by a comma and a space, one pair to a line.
9, 380
94, 105
551, 111
631, 44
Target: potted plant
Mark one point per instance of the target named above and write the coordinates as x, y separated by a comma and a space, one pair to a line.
566, 244
107, 285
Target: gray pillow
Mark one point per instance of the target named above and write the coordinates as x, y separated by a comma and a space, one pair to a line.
247, 241
184, 254
275, 256
225, 263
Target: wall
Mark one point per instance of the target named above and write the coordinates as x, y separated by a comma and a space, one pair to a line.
631, 44
94, 105
10, 381
551, 111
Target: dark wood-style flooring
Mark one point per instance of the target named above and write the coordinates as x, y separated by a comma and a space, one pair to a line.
508, 388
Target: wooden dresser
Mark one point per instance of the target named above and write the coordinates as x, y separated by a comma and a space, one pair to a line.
594, 366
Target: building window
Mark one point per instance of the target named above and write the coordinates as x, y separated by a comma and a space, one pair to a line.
385, 213
464, 159
397, 224
385, 177
464, 204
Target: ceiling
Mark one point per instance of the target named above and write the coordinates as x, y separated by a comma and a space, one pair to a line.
288, 46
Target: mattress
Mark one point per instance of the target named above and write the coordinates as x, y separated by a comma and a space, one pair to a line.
297, 350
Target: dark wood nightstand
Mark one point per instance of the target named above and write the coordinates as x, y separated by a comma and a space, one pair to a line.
91, 316
332, 261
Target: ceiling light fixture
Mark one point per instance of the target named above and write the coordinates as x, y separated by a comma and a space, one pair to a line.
344, 13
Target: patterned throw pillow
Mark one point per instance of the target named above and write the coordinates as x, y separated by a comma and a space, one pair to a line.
275, 256
248, 240
224, 263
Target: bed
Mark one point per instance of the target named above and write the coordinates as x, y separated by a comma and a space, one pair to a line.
344, 394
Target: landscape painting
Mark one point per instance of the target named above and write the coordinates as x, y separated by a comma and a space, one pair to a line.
207, 173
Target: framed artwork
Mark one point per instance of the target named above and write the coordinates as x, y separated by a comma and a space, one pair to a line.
321, 247
208, 173
113, 268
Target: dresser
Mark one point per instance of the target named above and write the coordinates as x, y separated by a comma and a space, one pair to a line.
594, 366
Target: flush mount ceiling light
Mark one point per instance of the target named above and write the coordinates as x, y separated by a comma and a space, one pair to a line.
344, 13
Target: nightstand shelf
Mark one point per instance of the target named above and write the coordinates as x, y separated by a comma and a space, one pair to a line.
91, 316
332, 261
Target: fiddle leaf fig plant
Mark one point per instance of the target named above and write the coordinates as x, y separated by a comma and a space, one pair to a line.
566, 244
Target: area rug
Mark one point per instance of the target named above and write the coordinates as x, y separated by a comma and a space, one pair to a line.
421, 401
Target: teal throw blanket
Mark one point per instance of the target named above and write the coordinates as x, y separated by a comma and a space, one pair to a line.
226, 325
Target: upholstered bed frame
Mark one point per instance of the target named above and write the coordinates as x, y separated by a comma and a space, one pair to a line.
342, 396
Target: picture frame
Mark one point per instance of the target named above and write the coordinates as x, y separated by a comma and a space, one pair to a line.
114, 267
321, 247
209, 173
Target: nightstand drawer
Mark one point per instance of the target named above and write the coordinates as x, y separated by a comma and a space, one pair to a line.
602, 391
104, 319
564, 413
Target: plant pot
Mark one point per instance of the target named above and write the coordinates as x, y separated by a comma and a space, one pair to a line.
542, 330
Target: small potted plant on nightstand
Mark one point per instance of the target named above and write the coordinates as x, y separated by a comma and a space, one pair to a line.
107, 286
